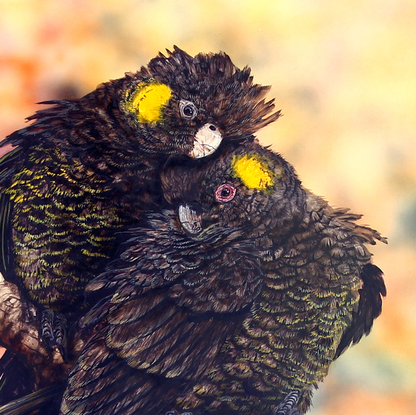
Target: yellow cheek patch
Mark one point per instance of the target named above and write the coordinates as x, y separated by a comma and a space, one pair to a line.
254, 171
148, 101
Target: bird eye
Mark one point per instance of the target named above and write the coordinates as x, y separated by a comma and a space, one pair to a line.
225, 193
187, 109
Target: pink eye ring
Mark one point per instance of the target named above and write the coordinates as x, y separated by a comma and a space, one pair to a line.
225, 193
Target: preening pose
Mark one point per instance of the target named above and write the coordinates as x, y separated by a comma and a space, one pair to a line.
234, 298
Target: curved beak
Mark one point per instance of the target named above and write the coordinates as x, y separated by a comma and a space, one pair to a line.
190, 220
207, 140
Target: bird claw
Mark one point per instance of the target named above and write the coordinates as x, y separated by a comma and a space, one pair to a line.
46, 325
53, 330
288, 405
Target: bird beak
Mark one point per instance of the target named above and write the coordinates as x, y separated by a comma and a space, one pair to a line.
207, 140
190, 220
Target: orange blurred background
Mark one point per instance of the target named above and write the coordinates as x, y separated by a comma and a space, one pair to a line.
344, 75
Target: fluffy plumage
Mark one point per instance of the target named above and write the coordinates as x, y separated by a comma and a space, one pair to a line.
320, 293
175, 298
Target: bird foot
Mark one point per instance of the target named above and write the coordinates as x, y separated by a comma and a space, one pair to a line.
53, 330
288, 405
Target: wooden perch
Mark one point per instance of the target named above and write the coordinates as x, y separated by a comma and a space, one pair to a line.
19, 332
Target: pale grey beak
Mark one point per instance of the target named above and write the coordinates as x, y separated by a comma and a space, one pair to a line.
190, 220
207, 140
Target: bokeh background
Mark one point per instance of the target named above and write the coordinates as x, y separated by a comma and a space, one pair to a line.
344, 75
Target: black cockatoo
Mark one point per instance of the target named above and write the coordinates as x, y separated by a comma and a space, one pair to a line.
85, 168
179, 290
320, 292
234, 302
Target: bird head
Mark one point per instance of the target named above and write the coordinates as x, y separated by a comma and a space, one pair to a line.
247, 187
179, 104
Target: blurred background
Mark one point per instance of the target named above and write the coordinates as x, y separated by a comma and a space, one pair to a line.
344, 75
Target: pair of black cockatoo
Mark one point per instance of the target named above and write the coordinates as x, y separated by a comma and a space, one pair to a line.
176, 264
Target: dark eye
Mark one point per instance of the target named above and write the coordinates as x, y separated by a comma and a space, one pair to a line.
187, 109
225, 193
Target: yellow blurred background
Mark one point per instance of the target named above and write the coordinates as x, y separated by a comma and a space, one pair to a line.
344, 75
